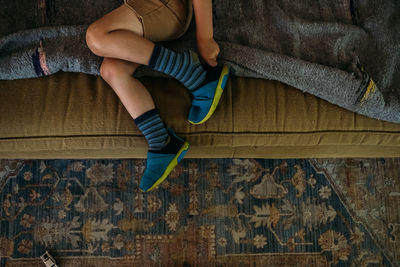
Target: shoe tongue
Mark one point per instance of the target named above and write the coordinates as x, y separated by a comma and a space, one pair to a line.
172, 145
212, 75
168, 140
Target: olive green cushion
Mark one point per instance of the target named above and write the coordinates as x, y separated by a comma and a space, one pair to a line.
74, 115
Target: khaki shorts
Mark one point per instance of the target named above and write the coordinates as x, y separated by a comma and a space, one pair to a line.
162, 19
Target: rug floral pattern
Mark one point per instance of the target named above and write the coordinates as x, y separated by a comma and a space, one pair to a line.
209, 212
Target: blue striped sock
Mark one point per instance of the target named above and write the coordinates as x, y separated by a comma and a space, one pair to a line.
185, 67
153, 129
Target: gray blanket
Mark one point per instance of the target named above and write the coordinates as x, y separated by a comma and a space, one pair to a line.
344, 51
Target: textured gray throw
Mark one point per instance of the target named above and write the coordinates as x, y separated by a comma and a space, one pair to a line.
344, 51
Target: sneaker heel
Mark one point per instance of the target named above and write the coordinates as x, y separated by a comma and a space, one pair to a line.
182, 155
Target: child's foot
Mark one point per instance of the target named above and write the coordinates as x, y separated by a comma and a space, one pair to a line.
208, 94
161, 163
205, 83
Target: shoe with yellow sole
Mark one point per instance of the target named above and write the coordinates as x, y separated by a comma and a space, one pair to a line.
207, 96
159, 164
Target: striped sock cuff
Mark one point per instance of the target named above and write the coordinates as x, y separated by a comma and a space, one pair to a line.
145, 116
153, 129
185, 67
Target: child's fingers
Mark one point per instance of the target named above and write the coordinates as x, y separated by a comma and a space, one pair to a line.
213, 58
212, 62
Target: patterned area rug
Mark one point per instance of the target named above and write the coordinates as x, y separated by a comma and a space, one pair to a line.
210, 212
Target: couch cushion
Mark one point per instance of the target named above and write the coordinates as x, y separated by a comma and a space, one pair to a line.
278, 115
74, 115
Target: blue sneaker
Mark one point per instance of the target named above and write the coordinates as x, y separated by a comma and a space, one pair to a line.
207, 96
160, 163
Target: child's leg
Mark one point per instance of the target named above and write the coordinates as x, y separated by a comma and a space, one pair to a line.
205, 83
132, 93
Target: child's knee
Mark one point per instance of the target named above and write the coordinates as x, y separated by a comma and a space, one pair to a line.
112, 69
109, 69
93, 38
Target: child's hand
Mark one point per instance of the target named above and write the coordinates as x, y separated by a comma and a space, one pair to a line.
208, 50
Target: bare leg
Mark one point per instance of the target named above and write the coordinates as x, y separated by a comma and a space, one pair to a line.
118, 37
132, 93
